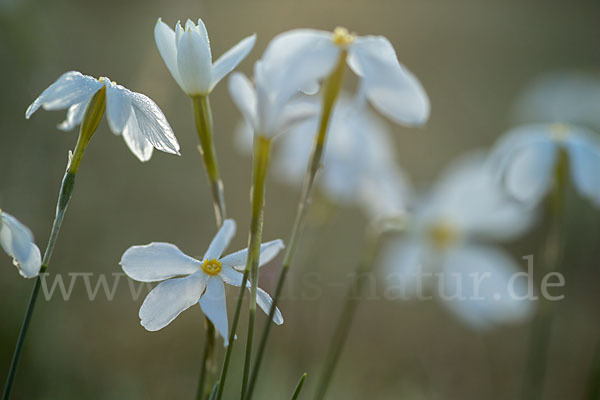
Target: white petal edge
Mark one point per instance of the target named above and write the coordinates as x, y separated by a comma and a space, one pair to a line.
164, 37
214, 306
17, 241
157, 261
231, 59
221, 240
268, 251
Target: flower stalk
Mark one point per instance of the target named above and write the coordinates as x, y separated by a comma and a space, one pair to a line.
331, 90
91, 119
552, 254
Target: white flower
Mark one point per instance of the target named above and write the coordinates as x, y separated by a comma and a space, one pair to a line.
272, 105
17, 241
565, 97
201, 282
465, 206
359, 166
187, 54
525, 160
303, 57
132, 114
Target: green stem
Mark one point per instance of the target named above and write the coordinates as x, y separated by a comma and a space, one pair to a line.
552, 254
262, 148
63, 201
342, 329
204, 126
593, 390
330, 94
299, 387
91, 119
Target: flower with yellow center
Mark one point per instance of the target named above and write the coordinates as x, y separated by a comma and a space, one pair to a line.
17, 241
444, 241
187, 281
526, 158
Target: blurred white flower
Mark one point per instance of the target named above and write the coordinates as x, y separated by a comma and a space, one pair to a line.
202, 281
132, 114
466, 205
526, 157
187, 54
565, 97
272, 105
303, 57
17, 241
359, 165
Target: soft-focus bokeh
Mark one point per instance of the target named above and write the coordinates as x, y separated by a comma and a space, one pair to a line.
472, 56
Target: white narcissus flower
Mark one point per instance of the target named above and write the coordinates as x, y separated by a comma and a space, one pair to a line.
200, 281
17, 241
526, 157
444, 237
360, 167
134, 115
186, 52
303, 57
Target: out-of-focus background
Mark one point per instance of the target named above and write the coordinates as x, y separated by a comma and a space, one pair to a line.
472, 56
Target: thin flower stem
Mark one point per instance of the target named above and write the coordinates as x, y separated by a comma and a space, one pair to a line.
63, 201
262, 149
299, 387
204, 126
342, 328
91, 119
330, 94
552, 255
593, 390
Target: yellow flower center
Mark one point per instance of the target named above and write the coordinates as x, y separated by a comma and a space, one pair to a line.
342, 37
559, 132
211, 267
443, 234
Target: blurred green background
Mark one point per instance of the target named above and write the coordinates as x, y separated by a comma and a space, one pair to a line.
472, 56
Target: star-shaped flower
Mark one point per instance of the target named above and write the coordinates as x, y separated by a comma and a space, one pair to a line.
17, 241
525, 160
186, 52
202, 282
134, 115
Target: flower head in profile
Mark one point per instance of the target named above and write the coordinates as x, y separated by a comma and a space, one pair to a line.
17, 241
526, 158
187, 281
186, 52
133, 115
303, 57
445, 237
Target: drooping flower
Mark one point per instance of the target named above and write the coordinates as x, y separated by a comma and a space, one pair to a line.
200, 281
303, 57
359, 165
444, 237
525, 160
134, 115
569, 97
187, 54
17, 241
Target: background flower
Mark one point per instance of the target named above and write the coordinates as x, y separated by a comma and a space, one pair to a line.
17, 241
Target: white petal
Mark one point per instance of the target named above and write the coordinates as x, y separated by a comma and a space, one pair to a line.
268, 251
489, 302
244, 96
390, 87
296, 112
136, 141
265, 302
214, 306
403, 262
584, 159
230, 60
194, 62
74, 116
169, 299
156, 262
71, 88
17, 241
118, 105
221, 240
164, 37
153, 124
